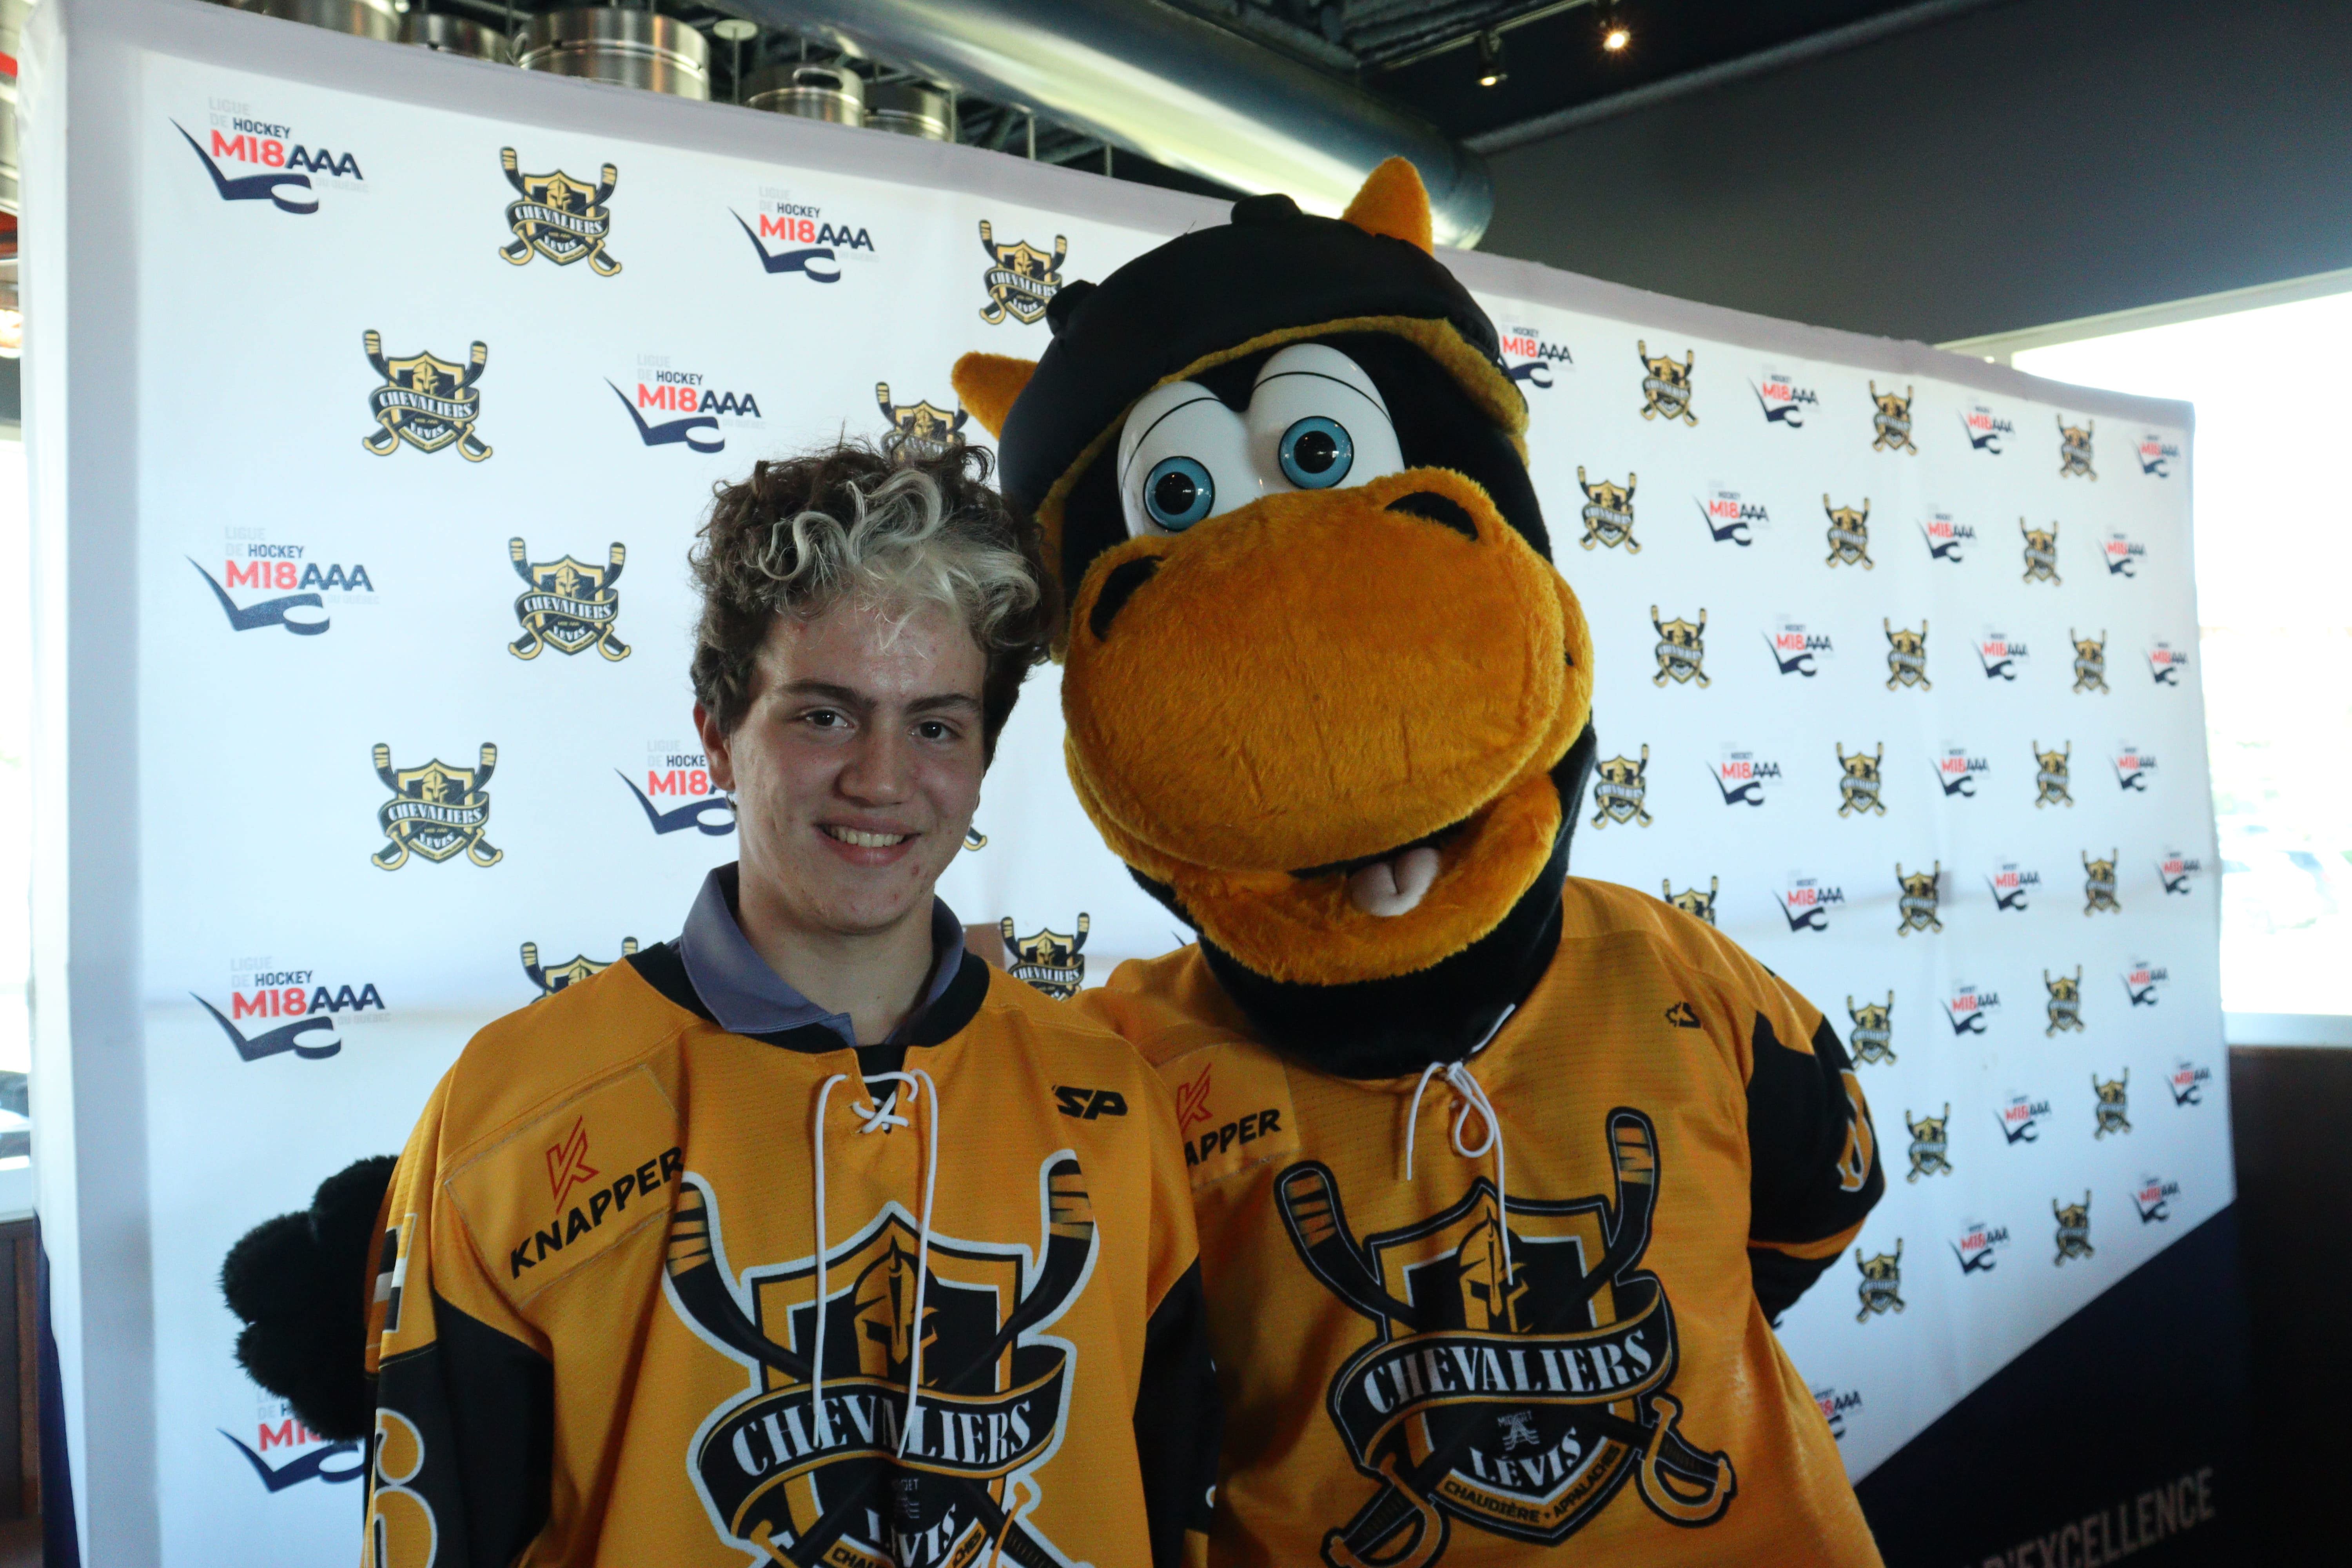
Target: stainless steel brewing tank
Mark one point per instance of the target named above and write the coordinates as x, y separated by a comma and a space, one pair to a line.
627, 49
911, 109
366, 18
834, 93
448, 35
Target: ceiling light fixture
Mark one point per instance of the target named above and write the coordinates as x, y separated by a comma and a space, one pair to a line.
1615, 35
1490, 59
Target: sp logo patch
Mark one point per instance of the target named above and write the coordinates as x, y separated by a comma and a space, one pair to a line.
1931, 1147
1021, 280
1666, 386
2041, 552
784, 1473
1085, 1104
2066, 1004
1508, 1383
551, 978
1049, 959
1890, 422
1621, 790
434, 811
1682, 650
425, 401
1849, 534
1882, 1282
560, 217
918, 430
1609, 513
568, 605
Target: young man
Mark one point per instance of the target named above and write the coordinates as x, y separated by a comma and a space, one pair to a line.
772, 1239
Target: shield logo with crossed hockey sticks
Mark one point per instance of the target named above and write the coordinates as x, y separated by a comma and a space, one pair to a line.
1516, 1381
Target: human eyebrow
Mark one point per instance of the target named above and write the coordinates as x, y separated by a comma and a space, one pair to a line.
945, 702
826, 691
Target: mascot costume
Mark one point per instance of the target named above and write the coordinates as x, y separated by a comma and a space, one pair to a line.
1501, 1175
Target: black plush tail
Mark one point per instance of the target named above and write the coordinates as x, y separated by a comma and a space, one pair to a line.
300, 1282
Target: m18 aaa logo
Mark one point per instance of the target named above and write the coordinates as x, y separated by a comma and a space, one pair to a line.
1977, 1244
2156, 456
1730, 516
1957, 771
1796, 649
1806, 903
1967, 1009
1785, 402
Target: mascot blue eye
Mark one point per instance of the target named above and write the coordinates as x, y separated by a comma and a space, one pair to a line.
1317, 453
1177, 493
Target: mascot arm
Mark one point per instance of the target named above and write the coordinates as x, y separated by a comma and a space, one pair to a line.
1814, 1168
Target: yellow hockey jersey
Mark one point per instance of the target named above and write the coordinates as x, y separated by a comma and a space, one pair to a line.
656, 1293
1512, 1303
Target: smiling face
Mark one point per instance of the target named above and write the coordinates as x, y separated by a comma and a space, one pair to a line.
856, 767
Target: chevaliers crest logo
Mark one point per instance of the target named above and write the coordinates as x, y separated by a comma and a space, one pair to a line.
919, 429
560, 217
1609, 513
1849, 533
425, 401
569, 605
1891, 421
1509, 1382
551, 978
434, 811
1666, 386
1021, 280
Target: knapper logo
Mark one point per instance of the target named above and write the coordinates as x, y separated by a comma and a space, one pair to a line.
2011, 884
1836, 1404
567, 604
666, 391
2131, 768
2175, 869
2187, 1082
1049, 960
1986, 429
2074, 449
2064, 1005
2111, 1105
1609, 513
2074, 1235
2157, 455
1535, 356
567, 1163
2090, 661
1730, 517
2052, 778
1622, 789
425, 401
260, 992
1682, 650
307, 1454
2041, 552
2143, 982
2021, 1119
1873, 1039
919, 429
1957, 771
1859, 782
1785, 402
1806, 902
1849, 534
2099, 885
1977, 1244
1742, 776
1881, 1289
1021, 280
1692, 902
1666, 386
1906, 656
1931, 1144
1967, 1009
686, 775
2123, 556
1920, 893
287, 166
434, 811
551, 978
295, 584
1890, 422
560, 217
1946, 536
2152, 1197
1796, 649
2001, 654
2165, 663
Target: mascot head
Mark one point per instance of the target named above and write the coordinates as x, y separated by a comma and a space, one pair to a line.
1325, 694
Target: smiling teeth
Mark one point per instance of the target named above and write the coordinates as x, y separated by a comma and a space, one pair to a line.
1394, 886
852, 836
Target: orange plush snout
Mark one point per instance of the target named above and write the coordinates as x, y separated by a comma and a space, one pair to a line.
1293, 701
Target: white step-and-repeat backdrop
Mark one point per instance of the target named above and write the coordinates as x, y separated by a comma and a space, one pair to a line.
436, 367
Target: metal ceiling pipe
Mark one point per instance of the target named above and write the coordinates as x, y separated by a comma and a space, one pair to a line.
1148, 78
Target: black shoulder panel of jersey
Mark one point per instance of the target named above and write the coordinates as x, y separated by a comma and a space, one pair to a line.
483, 1407
1178, 1419
660, 967
1813, 1167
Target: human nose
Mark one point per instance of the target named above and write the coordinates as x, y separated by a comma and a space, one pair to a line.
880, 769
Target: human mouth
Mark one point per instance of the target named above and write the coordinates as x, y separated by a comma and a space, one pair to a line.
858, 838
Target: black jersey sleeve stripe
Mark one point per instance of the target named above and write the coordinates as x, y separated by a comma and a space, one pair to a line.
479, 1449
1813, 1167
1178, 1420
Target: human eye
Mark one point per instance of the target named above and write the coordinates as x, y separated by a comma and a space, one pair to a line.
1317, 422
1182, 459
